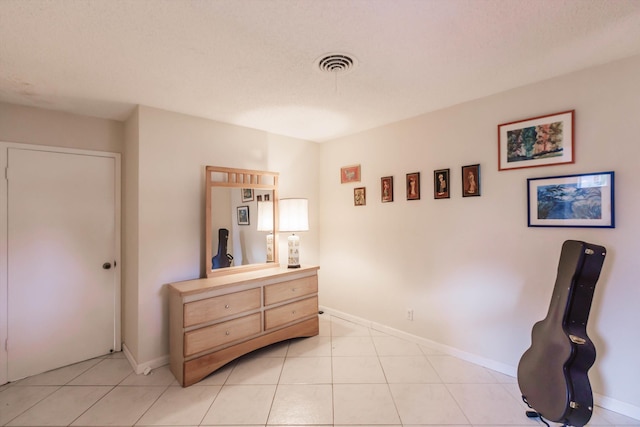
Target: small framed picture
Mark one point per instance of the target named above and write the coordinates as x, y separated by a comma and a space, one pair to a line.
350, 174
441, 184
584, 200
359, 196
413, 186
470, 180
247, 194
539, 141
386, 189
243, 215
259, 198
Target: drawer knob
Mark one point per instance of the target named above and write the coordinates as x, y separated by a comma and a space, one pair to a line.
293, 312
293, 289
226, 306
227, 333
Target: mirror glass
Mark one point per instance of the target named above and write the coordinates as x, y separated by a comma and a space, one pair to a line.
240, 220
246, 242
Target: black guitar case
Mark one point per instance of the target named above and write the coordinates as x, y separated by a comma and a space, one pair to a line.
552, 373
222, 258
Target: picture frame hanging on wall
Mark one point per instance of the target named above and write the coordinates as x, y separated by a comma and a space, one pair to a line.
243, 215
360, 196
247, 194
350, 174
441, 184
386, 189
582, 200
538, 141
471, 180
413, 186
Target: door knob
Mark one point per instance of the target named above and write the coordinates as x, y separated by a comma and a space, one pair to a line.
106, 265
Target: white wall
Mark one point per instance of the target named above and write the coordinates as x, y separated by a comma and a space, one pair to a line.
173, 151
477, 277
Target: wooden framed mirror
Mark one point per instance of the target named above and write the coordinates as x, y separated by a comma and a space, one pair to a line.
241, 214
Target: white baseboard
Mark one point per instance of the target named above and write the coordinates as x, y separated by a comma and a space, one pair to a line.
599, 400
146, 367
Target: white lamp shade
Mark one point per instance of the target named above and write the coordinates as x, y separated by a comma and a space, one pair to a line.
265, 216
294, 214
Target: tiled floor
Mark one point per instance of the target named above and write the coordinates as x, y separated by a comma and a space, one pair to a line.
348, 375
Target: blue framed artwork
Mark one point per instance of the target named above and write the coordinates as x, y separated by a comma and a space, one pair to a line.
583, 200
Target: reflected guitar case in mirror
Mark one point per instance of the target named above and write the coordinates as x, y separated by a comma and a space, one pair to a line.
552, 373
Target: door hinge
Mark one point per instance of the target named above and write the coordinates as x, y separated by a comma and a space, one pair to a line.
6, 173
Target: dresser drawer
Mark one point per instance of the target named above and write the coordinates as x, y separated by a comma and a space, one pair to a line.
289, 290
290, 313
221, 333
210, 309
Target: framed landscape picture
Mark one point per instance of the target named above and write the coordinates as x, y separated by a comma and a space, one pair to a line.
585, 200
539, 141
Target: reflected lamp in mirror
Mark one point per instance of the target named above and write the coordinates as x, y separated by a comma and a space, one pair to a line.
294, 217
265, 223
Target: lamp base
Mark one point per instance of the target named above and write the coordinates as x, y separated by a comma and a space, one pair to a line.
294, 251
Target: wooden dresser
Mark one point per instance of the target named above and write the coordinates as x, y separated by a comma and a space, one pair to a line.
216, 320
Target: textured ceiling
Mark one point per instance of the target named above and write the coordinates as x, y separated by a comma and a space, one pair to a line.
252, 62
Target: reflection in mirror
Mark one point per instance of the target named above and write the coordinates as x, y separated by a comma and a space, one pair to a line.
240, 214
246, 242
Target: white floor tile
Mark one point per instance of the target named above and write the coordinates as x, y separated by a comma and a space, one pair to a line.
306, 370
392, 346
409, 370
17, 399
105, 372
426, 404
488, 404
62, 407
60, 376
178, 405
302, 404
458, 371
359, 370
259, 370
123, 406
368, 404
310, 347
161, 376
352, 346
241, 404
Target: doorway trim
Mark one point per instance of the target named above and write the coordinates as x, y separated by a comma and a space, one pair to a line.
4, 250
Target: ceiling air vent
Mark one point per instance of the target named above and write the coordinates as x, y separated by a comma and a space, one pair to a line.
336, 63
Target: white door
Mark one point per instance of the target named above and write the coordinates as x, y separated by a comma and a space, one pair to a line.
61, 230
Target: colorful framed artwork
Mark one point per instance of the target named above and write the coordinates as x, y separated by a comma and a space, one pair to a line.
359, 196
386, 189
350, 174
247, 194
584, 200
441, 184
539, 141
470, 180
243, 215
413, 186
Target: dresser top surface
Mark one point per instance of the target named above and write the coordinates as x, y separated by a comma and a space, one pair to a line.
189, 287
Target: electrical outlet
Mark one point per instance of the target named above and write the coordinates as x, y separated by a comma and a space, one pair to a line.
409, 313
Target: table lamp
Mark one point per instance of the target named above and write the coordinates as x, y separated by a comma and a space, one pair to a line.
294, 216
